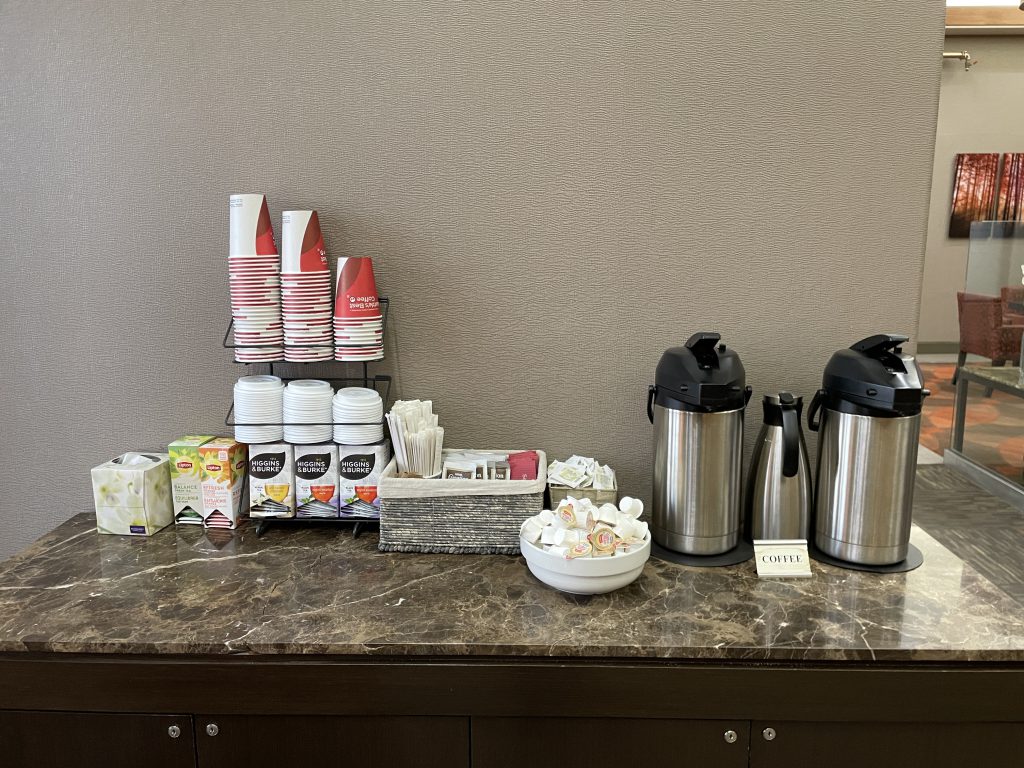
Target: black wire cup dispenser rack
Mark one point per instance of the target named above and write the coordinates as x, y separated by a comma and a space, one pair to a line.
379, 382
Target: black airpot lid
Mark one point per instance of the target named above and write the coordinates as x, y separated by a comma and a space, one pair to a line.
874, 374
701, 375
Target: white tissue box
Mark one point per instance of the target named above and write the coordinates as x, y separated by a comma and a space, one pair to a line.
132, 494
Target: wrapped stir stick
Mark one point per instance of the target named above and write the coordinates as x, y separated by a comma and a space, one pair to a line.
416, 437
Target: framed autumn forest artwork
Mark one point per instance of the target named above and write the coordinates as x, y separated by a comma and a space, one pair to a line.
986, 186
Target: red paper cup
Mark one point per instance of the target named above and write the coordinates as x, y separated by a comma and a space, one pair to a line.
357, 289
253, 274
345, 323
343, 358
256, 280
305, 276
302, 243
250, 232
265, 259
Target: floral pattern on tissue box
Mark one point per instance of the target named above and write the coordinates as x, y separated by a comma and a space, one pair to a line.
133, 499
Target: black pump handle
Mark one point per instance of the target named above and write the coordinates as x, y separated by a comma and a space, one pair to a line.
884, 347
880, 343
703, 338
650, 402
703, 346
790, 435
812, 411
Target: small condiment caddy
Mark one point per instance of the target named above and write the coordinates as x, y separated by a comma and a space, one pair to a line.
458, 515
581, 477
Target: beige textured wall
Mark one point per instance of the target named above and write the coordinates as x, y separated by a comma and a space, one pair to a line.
979, 111
553, 194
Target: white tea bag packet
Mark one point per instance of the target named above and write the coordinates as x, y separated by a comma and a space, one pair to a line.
604, 478
569, 475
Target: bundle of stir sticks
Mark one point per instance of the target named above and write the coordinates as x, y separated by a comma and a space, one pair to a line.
416, 438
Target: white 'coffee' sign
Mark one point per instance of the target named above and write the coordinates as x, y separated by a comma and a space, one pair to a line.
782, 558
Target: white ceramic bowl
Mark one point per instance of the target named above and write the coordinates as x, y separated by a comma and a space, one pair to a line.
586, 575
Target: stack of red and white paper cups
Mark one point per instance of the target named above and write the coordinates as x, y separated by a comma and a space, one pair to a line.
254, 277
358, 323
306, 288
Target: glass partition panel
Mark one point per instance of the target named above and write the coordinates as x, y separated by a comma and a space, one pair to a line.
988, 423
995, 257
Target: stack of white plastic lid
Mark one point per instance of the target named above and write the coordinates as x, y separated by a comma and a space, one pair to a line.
358, 416
306, 288
259, 400
358, 322
254, 274
307, 411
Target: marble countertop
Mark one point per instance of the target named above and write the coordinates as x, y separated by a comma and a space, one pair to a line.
319, 591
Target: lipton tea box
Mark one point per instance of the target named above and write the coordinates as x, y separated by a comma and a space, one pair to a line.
271, 481
186, 478
316, 480
359, 468
223, 463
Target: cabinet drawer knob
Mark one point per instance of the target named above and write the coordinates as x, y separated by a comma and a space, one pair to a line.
174, 731
769, 734
212, 729
730, 737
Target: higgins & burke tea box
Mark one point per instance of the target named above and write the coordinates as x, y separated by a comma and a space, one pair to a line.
133, 494
223, 461
186, 478
271, 481
316, 480
359, 468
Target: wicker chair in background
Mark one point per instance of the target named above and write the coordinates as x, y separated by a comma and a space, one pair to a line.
984, 329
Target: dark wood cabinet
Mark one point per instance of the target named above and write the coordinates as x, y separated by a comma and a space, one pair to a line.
487, 714
59, 740
512, 742
887, 745
259, 741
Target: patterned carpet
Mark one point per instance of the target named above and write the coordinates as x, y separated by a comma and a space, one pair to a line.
979, 528
994, 431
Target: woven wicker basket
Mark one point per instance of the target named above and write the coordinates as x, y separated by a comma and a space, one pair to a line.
456, 516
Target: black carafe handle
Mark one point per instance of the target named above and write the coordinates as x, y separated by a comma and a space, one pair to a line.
790, 440
650, 402
812, 423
